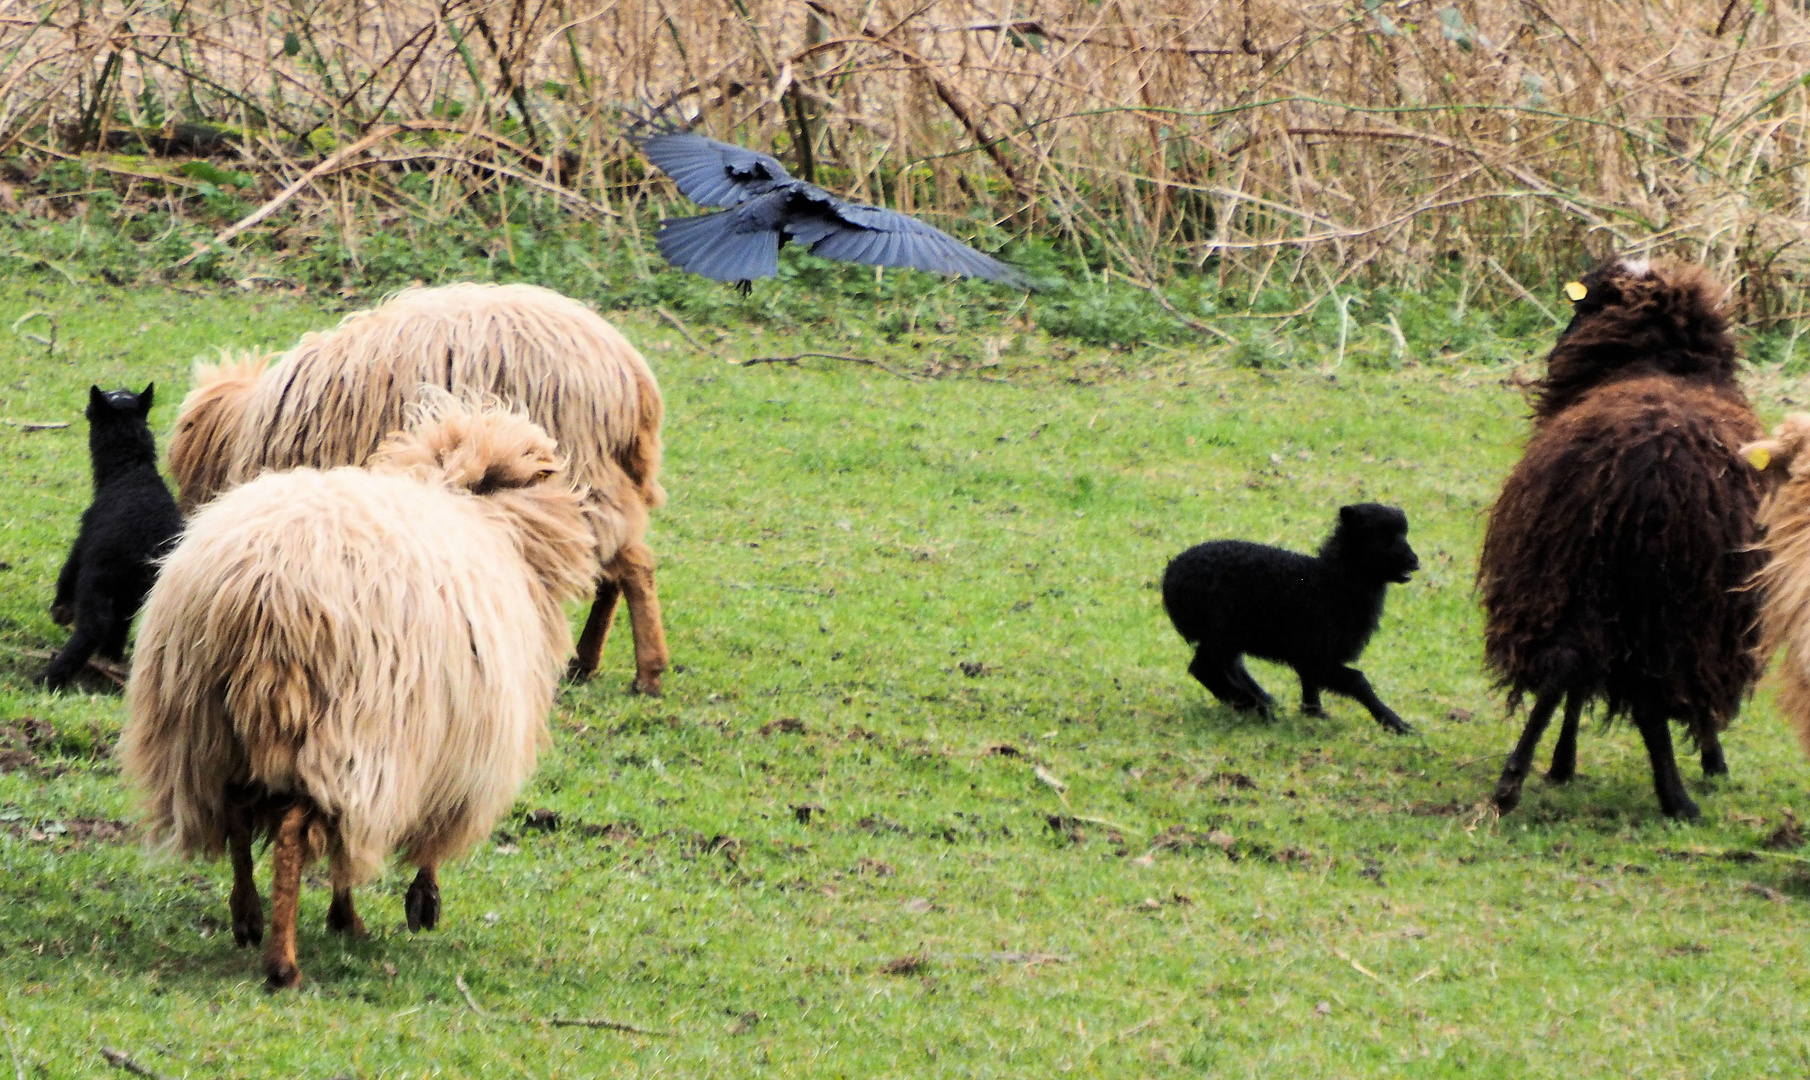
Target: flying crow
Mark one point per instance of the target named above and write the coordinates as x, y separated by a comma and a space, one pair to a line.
767, 207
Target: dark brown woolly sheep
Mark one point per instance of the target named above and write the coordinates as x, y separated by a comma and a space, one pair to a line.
1614, 559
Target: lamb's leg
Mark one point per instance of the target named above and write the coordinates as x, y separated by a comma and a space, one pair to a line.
1710, 747
1241, 677
636, 563
1520, 759
1656, 732
1350, 682
422, 903
1213, 670
246, 906
287, 855
1564, 755
342, 917
62, 607
1310, 696
596, 632
93, 623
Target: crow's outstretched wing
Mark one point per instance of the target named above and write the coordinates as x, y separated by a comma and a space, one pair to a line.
855, 232
714, 246
708, 172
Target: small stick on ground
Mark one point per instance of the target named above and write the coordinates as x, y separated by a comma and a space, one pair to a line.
681, 328
459, 981
796, 357
119, 1059
608, 1025
36, 425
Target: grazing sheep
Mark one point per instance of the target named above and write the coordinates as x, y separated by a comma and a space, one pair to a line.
331, 400
124, 531
1314, 613
1785, 581
1613, 561
358, 662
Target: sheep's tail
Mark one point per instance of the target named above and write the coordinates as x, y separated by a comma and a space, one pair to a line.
205, 441
640, 458
492, 450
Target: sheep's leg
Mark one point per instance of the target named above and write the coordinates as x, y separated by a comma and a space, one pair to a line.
1213, 670
62, 607
596, 631
342, 917
1656, 732
1350, 682
636, 561
93, 623
1710, 750
1564, 755
1260, 697
287, 855
1520, 759
246, 906
1310, 697
422, 903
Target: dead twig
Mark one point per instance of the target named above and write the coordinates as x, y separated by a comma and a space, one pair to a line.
459, 981
599, 1022
36, 425
681, 328
119, 1059
796, 357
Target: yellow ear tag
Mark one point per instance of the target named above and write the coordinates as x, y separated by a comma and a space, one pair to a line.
1575, 291
1759, 457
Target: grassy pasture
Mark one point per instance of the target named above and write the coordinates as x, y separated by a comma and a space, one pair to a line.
897, 601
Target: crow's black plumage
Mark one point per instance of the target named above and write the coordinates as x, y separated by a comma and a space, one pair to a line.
768, 207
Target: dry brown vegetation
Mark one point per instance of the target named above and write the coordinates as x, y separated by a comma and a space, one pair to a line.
1257, 139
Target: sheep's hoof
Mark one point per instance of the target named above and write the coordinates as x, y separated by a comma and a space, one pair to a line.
62, 614
281, 975
1685, 811
577, 671
421, 905
1507, 796
248, 931
1560, 776
648, 685
345, 921
1313, 710
1395, 725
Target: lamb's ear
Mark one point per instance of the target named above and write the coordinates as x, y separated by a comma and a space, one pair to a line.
97, 401
1348, 515
144, 399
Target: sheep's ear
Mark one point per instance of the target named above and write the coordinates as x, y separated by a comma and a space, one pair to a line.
144, 399
97, 401
1764, 454
1348, 515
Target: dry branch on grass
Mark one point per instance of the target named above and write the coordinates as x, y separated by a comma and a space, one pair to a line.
1265, 142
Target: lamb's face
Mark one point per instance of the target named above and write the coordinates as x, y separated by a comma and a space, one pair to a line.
1376, 537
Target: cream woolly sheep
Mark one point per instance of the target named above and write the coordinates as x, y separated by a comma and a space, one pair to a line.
358, 662
1785, 582
332, 398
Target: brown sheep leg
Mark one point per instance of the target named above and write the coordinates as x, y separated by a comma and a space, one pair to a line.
636, 572
421, 905
1564, 755
596, 632
1656, 732
1520, 760
342, 917
1714, 764
246, 906
287, 855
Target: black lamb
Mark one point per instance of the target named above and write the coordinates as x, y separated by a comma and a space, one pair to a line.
128, 528
1314, 613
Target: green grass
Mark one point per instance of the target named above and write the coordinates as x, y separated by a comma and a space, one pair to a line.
918, 572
